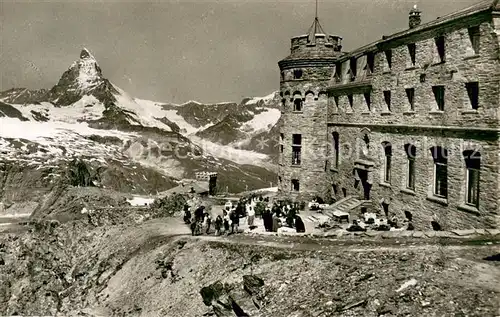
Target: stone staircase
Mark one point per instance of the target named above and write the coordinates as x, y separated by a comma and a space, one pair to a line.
340, 210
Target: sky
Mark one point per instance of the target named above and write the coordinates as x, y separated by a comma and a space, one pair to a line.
175, 51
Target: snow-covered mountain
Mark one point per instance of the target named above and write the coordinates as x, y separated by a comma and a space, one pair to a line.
86, 116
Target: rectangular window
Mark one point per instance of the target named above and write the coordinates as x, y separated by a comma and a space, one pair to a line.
411, 153
440, 156
368, 100
295, 185
472, 187
388, 56
440, 45
351, 101
387, 162
475, 36
473, 93
296, 149
412, 49
336, 147
439, 96
387, 98
473, 166
441, 180
410, 94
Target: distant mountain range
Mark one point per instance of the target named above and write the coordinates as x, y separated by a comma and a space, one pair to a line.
86, 116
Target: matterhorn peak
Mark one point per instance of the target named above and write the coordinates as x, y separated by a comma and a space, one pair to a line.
87, 71
85, 53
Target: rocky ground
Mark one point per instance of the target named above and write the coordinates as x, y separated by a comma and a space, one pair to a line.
100, 265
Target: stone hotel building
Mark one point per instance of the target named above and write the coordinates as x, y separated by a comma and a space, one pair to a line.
409, 123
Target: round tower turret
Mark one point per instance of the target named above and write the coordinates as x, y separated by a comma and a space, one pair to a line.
305, 74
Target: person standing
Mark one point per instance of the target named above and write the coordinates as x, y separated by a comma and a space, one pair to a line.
299, 224
208, 220
218, 225
187, 214
226, 223
251, 215
235, 222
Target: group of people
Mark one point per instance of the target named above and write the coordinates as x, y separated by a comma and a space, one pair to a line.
201, 222
252, 207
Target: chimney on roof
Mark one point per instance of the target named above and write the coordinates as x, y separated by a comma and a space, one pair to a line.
414, 17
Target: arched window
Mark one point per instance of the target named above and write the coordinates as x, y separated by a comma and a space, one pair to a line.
387, 161
440, 157
336, 147
473, 166
411, 154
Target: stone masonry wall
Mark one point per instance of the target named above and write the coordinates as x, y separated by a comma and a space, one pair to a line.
461, 66
425, 126
311, 124
451, 213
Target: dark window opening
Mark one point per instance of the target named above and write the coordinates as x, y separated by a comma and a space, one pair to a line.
336, 99
296, 149
440, 44
297, 104
440, 157
297, 73
387, 161
388, 56
473, 93
422, 78
282, 148
353, 68
370, 61
344, 192
368, 100
334, 189
295, 185
473, 165
410, 94
411, 154
474, 35
387, 98
412, 49
336, 147
338, 72
351, 101
439, 96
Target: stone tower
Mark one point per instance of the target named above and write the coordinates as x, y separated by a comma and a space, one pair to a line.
303, 135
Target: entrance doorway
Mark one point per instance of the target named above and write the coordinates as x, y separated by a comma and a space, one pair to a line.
363, 177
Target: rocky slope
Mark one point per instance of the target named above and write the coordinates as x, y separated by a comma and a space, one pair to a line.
103, 266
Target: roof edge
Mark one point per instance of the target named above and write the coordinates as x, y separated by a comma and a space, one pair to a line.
483, 6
